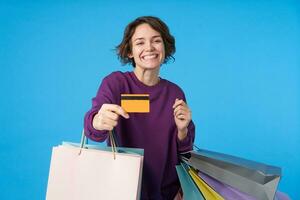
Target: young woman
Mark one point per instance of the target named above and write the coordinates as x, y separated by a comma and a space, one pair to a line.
167, 129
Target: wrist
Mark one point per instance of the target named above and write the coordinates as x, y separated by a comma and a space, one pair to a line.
182, 134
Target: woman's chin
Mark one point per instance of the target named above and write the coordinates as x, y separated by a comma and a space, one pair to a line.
155, 65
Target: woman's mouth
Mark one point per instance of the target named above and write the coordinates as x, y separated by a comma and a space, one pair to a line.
149, 57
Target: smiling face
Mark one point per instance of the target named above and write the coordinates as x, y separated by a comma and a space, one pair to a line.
148, 50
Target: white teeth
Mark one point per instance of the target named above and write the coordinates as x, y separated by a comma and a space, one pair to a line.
148, 57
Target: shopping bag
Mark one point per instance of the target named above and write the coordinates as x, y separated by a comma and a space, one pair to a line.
80, 172
226, 191
189, 189
256, 179
229, 192
205, 189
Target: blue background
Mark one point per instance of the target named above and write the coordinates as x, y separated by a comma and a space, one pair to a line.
238, 63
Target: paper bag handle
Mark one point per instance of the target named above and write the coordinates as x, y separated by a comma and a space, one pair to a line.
84, 139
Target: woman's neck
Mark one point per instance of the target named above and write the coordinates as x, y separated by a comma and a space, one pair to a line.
149, 77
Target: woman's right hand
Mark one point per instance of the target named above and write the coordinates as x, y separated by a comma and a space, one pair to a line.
107, 117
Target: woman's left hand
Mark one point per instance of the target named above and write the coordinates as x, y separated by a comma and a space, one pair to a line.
182, 115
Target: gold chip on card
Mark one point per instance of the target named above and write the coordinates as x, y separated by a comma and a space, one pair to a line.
135, 103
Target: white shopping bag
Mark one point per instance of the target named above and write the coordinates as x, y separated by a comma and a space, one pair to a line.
93, 173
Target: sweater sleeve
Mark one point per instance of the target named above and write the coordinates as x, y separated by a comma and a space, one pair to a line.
187, 143
106, 94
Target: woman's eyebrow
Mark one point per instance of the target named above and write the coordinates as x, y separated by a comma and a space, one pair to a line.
141, 38
155, 36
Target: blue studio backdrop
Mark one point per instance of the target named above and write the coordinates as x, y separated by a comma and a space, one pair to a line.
238, 63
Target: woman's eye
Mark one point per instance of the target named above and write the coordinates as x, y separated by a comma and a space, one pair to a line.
157, 41
139, 43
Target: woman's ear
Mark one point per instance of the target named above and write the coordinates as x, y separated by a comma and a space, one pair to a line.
130, 55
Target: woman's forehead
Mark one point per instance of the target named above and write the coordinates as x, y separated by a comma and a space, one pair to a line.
145, 31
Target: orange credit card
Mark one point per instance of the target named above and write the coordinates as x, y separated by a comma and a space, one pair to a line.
135, 103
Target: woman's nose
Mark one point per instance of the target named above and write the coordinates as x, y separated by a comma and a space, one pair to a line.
149, 46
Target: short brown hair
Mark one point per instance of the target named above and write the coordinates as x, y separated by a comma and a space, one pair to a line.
125, 47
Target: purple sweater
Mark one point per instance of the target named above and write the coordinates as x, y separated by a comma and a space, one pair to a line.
155, 132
